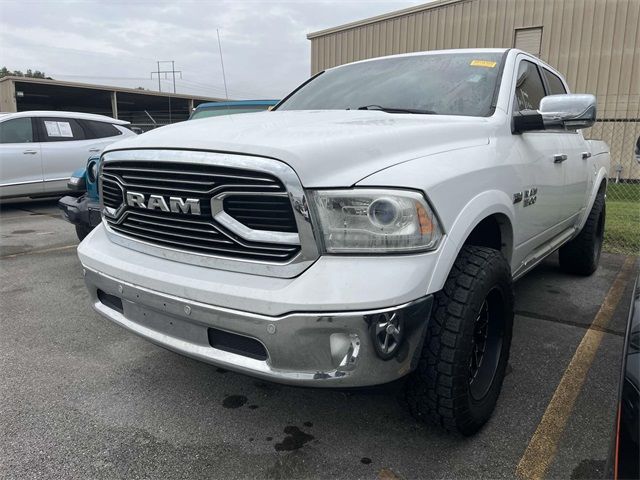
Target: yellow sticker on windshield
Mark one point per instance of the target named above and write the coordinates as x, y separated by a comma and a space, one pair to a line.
483, 63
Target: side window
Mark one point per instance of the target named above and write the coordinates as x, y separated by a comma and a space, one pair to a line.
529, 87
61, 129
18, 130
95, 129
556, 86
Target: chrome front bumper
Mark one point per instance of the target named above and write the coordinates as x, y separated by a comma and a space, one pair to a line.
317, 349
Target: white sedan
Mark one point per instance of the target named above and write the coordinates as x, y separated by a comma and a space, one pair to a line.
40, 149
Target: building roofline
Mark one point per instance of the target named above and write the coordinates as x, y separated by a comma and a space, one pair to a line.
384, 16
63, 83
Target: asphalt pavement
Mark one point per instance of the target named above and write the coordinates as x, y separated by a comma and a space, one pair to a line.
82, 398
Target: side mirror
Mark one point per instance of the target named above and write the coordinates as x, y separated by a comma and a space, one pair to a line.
570, 111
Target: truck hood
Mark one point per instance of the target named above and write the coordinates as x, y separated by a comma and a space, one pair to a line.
327, 148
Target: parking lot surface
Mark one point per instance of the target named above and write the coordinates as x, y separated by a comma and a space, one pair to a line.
82, 398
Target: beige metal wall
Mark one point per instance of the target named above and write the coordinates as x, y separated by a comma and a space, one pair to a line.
7, 96
594, 43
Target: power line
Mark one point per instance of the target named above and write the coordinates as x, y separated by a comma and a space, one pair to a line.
211, 89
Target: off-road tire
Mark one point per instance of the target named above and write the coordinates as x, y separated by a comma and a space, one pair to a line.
82, 231
581, 255
440, 389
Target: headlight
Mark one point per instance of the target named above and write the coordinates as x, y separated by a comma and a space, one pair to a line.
368, 220
92, 171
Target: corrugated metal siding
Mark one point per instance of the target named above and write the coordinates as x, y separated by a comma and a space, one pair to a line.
594, 43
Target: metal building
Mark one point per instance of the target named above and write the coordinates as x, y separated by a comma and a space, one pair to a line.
143, 108
594, 43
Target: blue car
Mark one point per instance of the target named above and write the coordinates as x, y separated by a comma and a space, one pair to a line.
84, 211
214, 109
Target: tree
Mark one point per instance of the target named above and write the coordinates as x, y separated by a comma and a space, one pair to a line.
5, 72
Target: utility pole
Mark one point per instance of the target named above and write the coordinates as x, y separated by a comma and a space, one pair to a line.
173, 72
159, 86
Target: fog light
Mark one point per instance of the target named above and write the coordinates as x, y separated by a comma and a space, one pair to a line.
387, 331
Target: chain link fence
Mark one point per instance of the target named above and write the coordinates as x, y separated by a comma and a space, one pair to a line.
622, 228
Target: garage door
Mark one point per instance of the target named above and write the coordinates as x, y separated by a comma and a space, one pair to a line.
529, 40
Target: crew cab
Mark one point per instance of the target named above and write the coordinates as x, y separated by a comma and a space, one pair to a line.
40, 149
368, 228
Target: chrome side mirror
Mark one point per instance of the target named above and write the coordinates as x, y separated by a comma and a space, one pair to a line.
570, 111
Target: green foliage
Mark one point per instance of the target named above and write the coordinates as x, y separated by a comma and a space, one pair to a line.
622, 227
5, 72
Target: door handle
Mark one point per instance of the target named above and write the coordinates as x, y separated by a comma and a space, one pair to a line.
559, 157
30, 152
94, 150
586, 155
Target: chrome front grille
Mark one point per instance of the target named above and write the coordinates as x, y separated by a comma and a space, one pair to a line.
112, 194
262, 212
257, 200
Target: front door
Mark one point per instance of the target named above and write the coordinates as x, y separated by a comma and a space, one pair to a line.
20, 159
541, 203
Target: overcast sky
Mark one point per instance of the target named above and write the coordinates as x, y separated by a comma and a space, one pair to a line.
114, 42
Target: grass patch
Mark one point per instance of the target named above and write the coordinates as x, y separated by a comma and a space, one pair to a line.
622, 227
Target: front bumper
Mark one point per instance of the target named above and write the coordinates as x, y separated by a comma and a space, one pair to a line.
80, 210
327, 349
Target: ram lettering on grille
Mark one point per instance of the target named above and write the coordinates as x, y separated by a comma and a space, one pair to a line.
169, 205
158, 202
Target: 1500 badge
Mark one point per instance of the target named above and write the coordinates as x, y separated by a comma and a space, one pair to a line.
530, 196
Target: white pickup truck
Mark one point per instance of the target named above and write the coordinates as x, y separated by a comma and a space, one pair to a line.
368, 228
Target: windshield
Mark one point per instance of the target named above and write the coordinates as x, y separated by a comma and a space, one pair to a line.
217, 111
444, 84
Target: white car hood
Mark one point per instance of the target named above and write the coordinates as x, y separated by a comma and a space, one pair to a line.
327, 148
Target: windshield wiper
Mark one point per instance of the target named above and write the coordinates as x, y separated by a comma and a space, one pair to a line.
397, 110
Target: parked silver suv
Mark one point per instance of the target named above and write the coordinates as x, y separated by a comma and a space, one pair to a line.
40, 149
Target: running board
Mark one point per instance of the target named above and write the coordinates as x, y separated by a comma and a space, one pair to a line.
543, 251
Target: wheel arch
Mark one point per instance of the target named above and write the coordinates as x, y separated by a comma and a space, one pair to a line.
599, 185
486, 221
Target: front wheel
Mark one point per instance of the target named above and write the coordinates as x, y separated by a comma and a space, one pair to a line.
82, 231
465, 355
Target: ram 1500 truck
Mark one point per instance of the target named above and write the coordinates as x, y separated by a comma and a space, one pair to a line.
370, 227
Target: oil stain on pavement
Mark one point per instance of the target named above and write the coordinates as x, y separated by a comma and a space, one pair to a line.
294, 440
234, 401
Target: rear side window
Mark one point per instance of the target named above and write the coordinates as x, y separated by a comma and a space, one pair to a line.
556, 86
529, 87
95, 129
18, 130
61, 129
